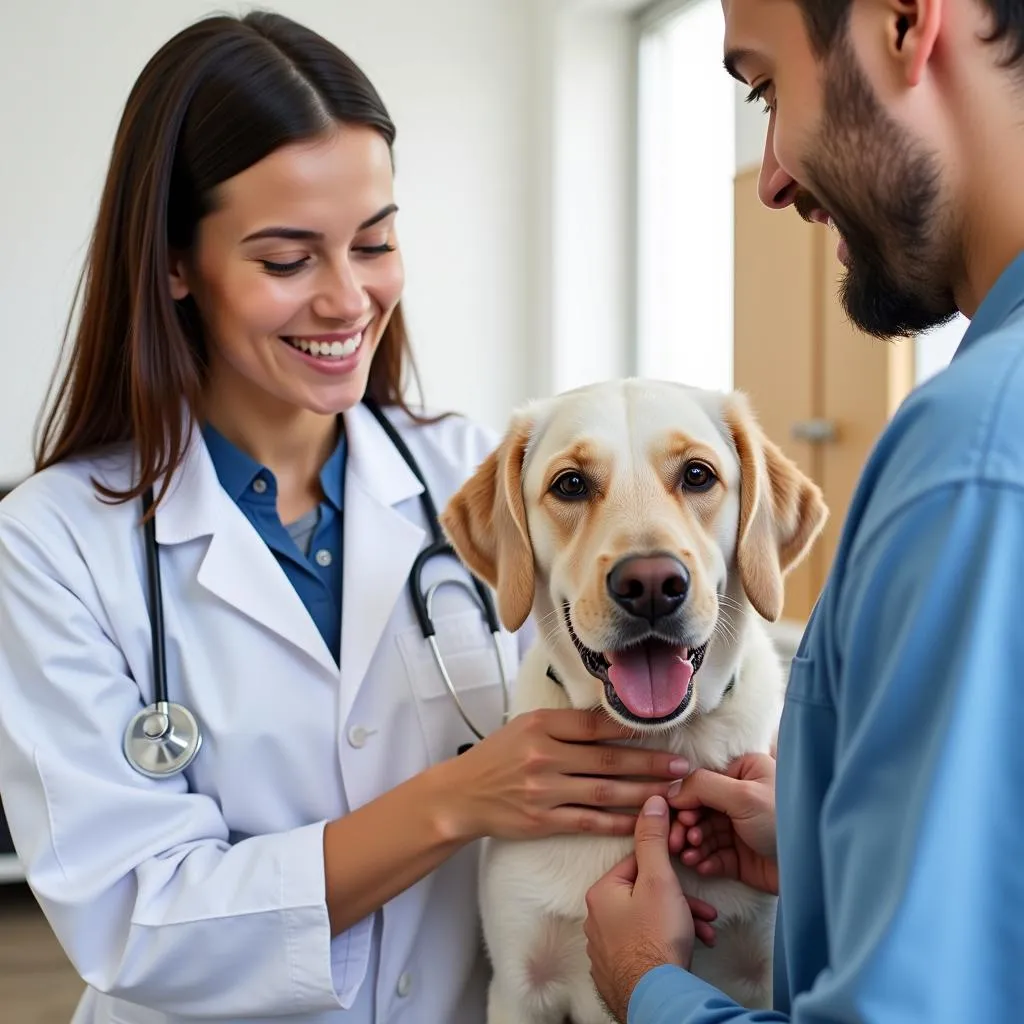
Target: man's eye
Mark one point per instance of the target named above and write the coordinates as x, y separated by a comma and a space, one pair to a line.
760, 92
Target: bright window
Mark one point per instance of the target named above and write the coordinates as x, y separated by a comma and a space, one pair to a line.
687, 162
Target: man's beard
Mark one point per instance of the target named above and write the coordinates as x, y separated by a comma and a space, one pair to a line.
882, 190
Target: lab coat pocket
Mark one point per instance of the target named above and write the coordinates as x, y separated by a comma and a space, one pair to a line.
468, 654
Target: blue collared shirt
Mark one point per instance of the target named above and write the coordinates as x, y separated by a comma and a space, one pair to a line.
309, 551
900, 788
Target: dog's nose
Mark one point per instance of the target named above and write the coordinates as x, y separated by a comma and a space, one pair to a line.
649, 587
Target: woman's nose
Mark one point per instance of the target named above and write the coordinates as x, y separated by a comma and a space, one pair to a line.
342, 296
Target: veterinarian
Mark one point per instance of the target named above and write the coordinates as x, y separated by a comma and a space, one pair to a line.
312, 858
900, 804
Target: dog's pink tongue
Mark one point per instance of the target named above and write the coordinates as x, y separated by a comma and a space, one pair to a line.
650, 680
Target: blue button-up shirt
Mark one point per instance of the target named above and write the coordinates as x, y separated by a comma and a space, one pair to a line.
900, 788
310, 550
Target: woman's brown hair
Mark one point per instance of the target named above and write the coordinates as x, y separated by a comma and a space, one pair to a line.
215, 99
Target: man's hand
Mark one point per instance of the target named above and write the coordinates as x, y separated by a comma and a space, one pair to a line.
728, 822
638, 917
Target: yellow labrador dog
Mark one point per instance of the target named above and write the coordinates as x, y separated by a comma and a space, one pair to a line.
647, 526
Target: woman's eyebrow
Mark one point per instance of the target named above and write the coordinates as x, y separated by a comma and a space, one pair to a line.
305, 235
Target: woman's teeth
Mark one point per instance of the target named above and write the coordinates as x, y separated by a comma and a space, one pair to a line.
327, 349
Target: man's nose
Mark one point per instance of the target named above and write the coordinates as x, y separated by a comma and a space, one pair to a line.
775, 188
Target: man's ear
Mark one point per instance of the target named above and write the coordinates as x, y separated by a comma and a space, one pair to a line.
913, 31
485, 522
782, 511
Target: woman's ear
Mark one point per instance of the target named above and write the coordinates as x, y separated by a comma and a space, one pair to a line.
178, 275
782, 511
485, 522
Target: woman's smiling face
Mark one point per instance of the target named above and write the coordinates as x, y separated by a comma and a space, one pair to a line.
296, 272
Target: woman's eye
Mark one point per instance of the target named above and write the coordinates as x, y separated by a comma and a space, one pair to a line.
698, 476
571, 486
375, 250
272, 267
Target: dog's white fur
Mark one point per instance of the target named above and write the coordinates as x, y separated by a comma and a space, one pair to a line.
631, 441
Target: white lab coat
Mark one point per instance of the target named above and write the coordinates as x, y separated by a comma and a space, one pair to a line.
202, 897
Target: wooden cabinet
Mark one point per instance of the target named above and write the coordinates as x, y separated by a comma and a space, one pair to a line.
822, 390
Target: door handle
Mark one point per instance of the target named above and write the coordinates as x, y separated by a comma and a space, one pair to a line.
815, 431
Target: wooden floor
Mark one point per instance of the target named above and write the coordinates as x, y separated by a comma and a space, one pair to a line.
37, 984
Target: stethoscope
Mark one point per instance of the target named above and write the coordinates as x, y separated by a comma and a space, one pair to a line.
164, 738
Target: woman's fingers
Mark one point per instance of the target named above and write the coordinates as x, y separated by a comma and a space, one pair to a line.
582, 752
565, 820
599, 759
591, 792
572, 725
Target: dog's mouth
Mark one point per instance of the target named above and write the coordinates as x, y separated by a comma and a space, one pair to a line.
649, 682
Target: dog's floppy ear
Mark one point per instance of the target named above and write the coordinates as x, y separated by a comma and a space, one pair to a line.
782, 511
485, 521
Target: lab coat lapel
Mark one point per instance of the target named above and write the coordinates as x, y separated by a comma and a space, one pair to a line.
238, 566
381, 545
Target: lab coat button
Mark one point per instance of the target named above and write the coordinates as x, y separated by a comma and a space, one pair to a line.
323, 557
404, 984
357, 736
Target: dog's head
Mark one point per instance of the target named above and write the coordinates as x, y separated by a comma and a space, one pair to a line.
639, 521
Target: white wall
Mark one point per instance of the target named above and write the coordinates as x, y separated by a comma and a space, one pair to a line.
461, 80
592, 148
686, 190
751, 129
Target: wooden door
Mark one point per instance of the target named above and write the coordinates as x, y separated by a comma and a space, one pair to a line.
822, 390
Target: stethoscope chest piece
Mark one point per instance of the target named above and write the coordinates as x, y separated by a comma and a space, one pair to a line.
162, 739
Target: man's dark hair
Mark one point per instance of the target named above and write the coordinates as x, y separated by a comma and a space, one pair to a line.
828, 19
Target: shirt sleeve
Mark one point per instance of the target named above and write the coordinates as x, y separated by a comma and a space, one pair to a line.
139, 879
922, 826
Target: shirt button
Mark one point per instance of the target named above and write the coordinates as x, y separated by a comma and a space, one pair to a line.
404, 984
259, 485
323, 557
357, 736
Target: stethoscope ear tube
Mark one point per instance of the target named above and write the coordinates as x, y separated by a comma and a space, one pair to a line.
427, 600
156, 604
162, 738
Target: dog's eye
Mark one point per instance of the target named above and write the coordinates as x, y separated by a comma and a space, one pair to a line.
571, 486
698, 476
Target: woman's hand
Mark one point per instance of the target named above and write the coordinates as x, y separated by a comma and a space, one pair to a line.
547, 772
728, 822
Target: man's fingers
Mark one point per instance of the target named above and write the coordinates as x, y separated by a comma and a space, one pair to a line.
676, 839
701, 910
623, 873
705, 932
689, 818
652, 828
706, 788
723, 864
